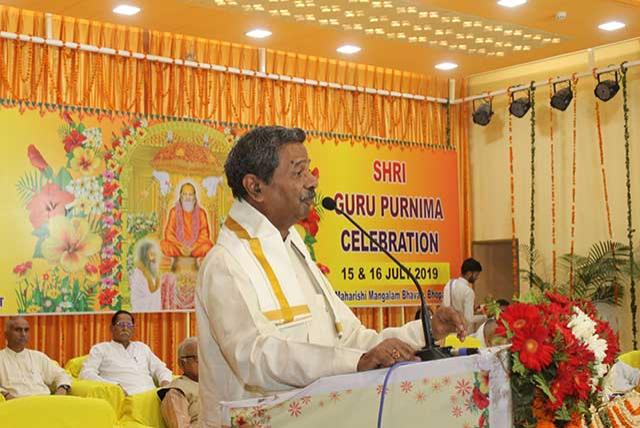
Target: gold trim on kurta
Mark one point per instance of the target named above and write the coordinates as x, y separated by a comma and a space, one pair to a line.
286, 312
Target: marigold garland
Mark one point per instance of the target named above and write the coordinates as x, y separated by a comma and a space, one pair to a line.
574, 140
532, 214
603, 173
553, 192
630, 230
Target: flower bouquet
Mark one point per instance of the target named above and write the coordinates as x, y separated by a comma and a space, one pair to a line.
560, 354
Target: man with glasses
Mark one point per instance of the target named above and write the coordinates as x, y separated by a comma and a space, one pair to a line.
132, 365
180, 399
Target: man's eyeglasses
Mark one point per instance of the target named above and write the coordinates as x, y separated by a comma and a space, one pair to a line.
124, 324
186, 357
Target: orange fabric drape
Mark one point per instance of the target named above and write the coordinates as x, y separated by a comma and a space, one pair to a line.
63, 337
52, 75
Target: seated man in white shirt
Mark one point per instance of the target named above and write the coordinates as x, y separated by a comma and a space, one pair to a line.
459, 294
24, 372
181, 398
132, 365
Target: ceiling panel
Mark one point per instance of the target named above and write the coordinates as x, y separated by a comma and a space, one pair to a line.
478, 35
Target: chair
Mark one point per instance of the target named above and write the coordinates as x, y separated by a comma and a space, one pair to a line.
53, 411
133, 411
631, 358
469, 342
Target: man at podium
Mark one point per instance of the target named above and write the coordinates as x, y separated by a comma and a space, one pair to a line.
268, 319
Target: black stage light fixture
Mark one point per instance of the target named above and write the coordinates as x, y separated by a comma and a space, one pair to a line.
482, 114
521, 106
607, 89
561, 98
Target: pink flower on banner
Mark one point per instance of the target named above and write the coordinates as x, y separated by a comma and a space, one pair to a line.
456, 411
446, 381
463, 387
295, 409
108, 220
334, 396
420, 397
306, 400
406, 386
49, 202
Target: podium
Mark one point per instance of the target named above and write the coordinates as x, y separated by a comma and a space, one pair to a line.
465, 392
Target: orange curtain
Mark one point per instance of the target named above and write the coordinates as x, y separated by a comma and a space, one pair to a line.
63, 337
34, 73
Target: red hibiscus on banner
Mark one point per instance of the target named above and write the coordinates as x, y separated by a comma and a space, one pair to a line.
73, 140
106, 296
107, 265
22, 268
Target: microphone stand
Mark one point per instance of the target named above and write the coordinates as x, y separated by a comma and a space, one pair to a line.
430, 351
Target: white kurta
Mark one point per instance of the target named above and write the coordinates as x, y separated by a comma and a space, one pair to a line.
242, 354
29, 373
459, 295
134, 368
142, 299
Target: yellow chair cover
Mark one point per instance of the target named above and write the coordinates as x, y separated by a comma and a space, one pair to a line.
54, 411
74, 366
631, 358
469, 342
143, 409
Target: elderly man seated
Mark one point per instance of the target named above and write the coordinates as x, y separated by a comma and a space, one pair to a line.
132, 365
24, 372
180, 399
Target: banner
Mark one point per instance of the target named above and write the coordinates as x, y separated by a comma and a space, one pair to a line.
406, 199
104, 213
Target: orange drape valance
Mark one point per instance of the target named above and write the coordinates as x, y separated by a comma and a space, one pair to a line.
46, 74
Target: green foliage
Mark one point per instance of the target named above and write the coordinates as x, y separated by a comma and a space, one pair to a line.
600, 276
29, 185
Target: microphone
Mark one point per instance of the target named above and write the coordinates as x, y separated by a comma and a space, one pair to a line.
430, 351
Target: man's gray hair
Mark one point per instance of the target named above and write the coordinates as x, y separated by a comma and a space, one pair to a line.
256, 152
10, 321
184, 345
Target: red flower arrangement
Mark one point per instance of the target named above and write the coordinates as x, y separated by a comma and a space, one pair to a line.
561, 352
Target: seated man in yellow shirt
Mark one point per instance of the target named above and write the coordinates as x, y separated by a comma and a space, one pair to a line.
24, 372
180, 399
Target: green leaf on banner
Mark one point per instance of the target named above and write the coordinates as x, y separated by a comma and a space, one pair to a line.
63, 178
41, 233
48, 173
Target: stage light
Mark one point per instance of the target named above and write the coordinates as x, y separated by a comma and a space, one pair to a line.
611, 26
561, 97
482, 114
125, 9
446, 66
521, 106
607, 89
258, 33
511, 3
348, 49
